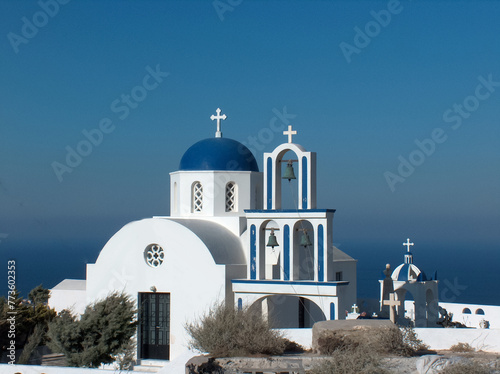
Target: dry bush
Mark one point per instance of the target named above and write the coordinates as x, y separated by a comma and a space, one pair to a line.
349, 361
225, 331
466, 368
462, 347
383, 340
292, 347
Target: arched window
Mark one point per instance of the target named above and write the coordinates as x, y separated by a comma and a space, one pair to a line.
231, 197
175, 197
197, 197
466, 311
480, 311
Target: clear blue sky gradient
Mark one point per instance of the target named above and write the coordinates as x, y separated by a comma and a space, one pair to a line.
359, 117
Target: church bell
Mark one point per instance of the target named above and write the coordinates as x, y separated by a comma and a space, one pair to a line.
272, 242
304, 240
289, 174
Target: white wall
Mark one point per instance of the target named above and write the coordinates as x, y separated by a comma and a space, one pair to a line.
491, 314
188, 272
487, 340
75, 300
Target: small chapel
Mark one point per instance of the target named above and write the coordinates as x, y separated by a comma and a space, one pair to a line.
407, 294
229, 237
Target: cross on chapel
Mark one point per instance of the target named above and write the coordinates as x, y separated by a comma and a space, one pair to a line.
408, 244
290, 133
218, 117
392, 303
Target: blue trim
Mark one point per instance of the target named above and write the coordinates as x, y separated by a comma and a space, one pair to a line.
302, 283
290, 210
253, 253
304, 182
286, 252
321, 254
332, 311
240, 304
269, 183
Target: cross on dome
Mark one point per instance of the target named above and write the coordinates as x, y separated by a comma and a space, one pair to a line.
290, 133
408, 244
218, 117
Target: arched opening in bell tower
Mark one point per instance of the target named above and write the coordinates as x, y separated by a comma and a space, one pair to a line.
288, 178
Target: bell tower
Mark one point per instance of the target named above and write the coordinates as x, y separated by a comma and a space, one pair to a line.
306, 163
290, 249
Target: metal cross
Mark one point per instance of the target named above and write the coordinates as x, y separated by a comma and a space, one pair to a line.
218, 117
408, 244
392, 303
290, 133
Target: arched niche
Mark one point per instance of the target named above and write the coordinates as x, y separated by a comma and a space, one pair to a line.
269, 258
289, 311
303, 256
305, 172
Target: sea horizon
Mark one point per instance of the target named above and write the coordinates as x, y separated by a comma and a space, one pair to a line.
462, 272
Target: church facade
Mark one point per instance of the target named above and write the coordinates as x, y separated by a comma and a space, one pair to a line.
229, 237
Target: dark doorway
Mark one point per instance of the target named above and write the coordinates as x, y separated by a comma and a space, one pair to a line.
154, 325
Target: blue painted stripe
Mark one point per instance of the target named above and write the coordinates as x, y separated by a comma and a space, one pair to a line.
286, 252
269, 183
321, 254
304, 182
290, 210
332, 311
240, 304
302, 283
253, 253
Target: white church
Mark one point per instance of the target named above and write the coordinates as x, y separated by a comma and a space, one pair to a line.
229, 238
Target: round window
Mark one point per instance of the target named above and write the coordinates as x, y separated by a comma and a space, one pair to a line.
154, 255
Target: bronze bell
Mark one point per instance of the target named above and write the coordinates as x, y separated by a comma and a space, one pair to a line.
304, 240
272, 242
289, 174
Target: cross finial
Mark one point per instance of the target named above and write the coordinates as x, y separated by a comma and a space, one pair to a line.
290, 133
408, 244
218, 117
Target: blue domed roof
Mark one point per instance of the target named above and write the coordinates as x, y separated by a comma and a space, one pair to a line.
218, 154
406, 272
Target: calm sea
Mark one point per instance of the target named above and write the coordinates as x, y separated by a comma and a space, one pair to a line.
467, 275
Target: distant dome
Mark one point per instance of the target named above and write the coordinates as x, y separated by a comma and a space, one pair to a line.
405, 272
218, 154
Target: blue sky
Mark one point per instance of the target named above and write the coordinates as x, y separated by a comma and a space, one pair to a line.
360, 111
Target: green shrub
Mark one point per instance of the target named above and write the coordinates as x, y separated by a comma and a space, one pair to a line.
102, 332
225, 331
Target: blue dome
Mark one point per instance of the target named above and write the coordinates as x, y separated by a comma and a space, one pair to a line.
406, 272
218, 154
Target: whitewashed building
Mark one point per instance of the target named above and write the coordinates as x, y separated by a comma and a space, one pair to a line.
227, 238
407, 281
